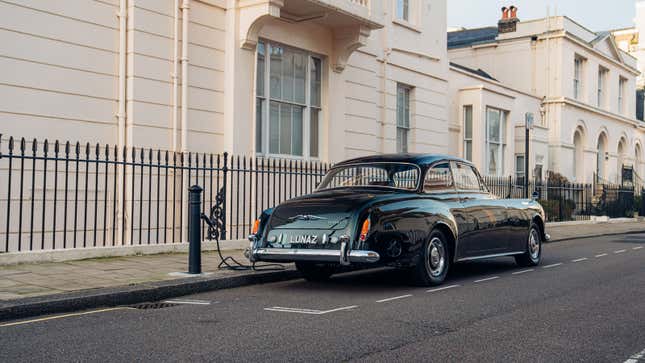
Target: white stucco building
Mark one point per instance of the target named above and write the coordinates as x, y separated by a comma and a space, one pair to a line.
585, 85
308, 79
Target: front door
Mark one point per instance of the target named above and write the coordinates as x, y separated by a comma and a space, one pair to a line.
483, 217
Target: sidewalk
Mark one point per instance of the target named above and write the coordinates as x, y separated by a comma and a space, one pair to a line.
123, 280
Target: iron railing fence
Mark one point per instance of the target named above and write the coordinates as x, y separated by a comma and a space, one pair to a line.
562, 201
63, 195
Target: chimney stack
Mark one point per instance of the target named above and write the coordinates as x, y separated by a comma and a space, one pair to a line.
509, 20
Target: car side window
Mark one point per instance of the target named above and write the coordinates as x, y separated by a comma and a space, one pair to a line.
466, 178
438, 179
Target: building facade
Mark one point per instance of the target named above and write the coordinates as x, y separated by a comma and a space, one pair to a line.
301, 79
586, 87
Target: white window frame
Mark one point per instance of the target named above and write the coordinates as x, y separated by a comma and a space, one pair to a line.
578, 65
503, 115
468, 141
403, 125
519, 166
406, 8
308, 107
622, 82
602, 84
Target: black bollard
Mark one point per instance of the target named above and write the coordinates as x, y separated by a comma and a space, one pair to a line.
194, 230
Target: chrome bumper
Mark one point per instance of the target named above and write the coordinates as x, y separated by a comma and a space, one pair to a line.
314, 255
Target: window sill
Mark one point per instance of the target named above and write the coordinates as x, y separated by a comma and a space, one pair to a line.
407, 25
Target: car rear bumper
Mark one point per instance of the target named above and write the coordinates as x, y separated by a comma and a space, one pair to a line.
312, 255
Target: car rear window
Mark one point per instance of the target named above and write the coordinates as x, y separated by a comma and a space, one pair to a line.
387, 175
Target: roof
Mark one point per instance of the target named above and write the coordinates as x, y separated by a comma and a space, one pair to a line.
419, 159
477, 71
599, 36
472, 36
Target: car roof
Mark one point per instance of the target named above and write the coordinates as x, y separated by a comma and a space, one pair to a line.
418, 159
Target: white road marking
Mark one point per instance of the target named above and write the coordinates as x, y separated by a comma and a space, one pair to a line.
619, 251
65, 316
393, 298
579, 259
553, 265
308, 311
188, 302
486, 279
637, 248
601, 255
521, 272
443, 288
638, 357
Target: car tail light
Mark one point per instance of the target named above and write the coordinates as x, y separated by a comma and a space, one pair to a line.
364, 230
256, 227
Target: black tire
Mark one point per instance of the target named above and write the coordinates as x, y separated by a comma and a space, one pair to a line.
433, 262
315, 272
533, 253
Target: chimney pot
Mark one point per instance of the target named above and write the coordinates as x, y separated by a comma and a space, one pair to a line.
504, 13
513, 11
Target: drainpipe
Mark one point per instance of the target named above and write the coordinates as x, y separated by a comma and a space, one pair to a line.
175, 78
184, 109
386, 58
121, 115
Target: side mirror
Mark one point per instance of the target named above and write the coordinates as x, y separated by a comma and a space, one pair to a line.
535, 195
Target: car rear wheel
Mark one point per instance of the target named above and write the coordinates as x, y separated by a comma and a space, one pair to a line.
433, 261
533, 252
315, 272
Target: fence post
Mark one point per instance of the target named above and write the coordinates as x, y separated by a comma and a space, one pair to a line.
224, 190
194, 230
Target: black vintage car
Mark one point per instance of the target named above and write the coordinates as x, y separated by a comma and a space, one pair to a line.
412, 211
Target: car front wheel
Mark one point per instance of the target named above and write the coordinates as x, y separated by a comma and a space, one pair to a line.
533, 252
433, 261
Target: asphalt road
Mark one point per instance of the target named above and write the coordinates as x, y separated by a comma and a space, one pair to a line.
586, 302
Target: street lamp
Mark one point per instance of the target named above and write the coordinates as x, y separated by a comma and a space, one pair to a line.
528, 125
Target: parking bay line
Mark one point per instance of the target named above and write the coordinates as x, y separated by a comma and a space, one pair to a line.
637, 248
443, 288
188, 302
552, 265
308, 311
601, 255
619, 251
486, 279
393, 298
521, 272
65, 316
579, 259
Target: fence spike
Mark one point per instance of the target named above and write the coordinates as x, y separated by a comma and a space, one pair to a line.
67, 148
34, 146
23, 145
78, 149
46, 147
97, 150
56, 147
11, 145
166, 157
87, 150
107, 152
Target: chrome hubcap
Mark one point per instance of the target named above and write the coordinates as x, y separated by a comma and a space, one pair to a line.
534, 244
436, 257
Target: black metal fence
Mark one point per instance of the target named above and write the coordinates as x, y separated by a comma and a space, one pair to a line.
63, 195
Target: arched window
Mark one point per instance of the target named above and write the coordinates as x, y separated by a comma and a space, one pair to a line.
620, 159
578, 155
638, 159
601, 151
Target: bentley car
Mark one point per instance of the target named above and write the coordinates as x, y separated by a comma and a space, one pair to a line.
411, 211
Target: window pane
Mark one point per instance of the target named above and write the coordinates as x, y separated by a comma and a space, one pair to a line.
259, 83
468, 150
468, 122
285, 129
401, 140
316, 76
274, 128
493, 121
465, 178
402, 9
287, 75
296, 130
300, 69
313, 133
493, 159
438, 178
259, 103
276, 72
